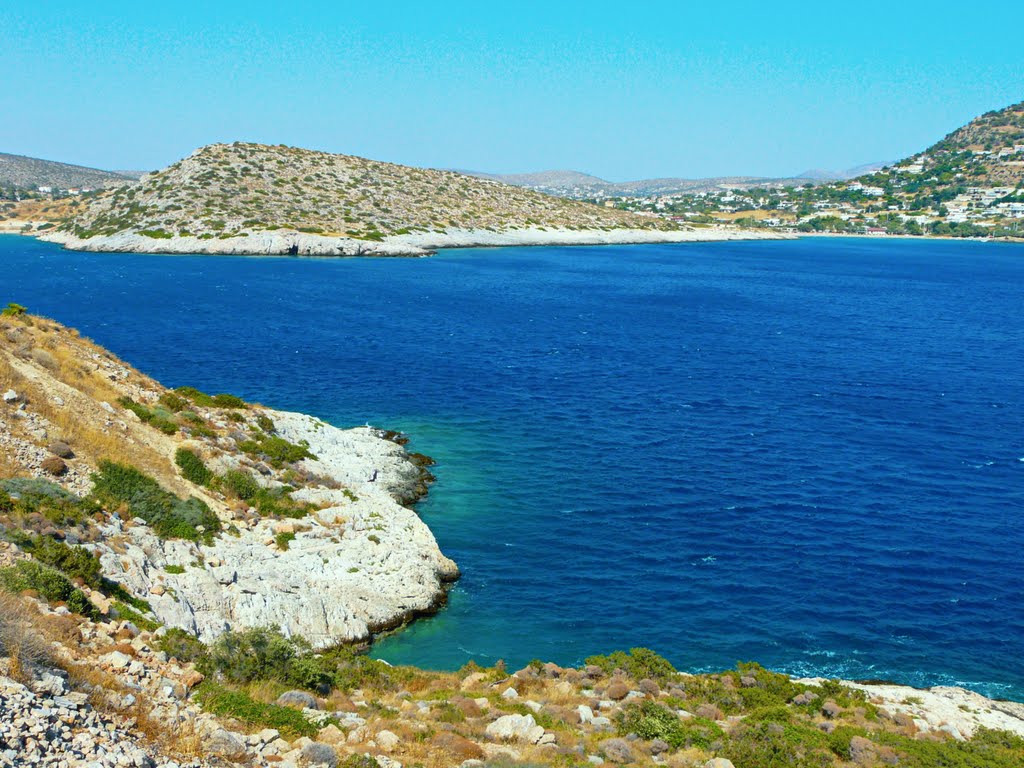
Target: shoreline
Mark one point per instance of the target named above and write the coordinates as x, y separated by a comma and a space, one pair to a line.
887, 236
288, 243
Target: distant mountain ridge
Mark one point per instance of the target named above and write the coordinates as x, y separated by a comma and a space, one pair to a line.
30, 173
569, 183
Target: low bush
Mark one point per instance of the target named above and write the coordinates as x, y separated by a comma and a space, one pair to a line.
34, 496
169, 516
210, 401
173, 402
639, 663
265, 654
228, 401
13, 310
182, 645
225, 702
149, 416
73, 562
51, 584
650, 720
192, 467
275, 450
241, 484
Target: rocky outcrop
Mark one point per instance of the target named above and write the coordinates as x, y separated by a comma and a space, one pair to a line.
288, 243
362, 565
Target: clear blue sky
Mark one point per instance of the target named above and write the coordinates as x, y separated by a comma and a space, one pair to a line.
621, 90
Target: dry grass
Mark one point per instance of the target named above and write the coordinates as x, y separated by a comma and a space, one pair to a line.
42, 360
20, 639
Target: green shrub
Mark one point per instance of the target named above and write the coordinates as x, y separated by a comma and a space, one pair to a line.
771, 745
183, 646
278, 502
650, 720
283, 540
987, 749
13, 310
169, 516
73, 562
275, 450
177, 569
240, 483
127, 612
228, 401
265, 654
224, 702
201, 399
351, 670
51, 584
173, 402
31, 495
265, 423
192, 467
149, 416
360, 761
639, 663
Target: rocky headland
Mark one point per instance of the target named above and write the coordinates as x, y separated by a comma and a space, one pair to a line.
256, 199
184, 579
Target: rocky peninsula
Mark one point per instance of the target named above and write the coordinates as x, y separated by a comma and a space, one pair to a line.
184, 578
257, 199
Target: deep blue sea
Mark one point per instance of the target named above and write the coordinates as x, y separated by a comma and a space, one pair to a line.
805, 453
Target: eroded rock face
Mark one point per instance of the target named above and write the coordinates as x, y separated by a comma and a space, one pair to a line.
363, 564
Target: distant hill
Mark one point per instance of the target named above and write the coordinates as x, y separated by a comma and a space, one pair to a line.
224, 191
574, 184
818, 174
30, 173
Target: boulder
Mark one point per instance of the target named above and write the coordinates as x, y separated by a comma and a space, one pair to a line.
226, 744
387, 741
317, 755
61, 449
10, 396
804, 698
522, 728
332, 734
719, 762
297, 700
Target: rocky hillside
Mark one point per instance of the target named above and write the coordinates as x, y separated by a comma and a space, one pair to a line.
220, 514
29, 173
232, 193
989, 150
177, 570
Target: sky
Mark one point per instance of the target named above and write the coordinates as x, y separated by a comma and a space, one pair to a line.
620, 90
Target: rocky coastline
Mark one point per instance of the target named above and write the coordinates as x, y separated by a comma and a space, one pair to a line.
288, 243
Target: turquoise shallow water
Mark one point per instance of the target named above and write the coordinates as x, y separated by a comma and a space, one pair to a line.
806, 453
